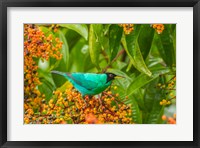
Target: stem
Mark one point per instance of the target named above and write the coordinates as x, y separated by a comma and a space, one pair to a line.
170, 89
105, 55
171, 79
118, 55
172, 98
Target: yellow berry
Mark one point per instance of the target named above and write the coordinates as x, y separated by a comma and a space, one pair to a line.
115, 87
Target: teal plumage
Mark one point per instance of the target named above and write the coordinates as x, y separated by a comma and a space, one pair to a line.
88, 83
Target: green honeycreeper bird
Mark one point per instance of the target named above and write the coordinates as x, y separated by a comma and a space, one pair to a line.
88, 83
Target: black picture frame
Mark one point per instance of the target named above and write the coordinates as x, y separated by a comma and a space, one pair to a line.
4, 4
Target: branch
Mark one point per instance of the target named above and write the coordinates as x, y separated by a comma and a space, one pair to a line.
118, 55
105, 55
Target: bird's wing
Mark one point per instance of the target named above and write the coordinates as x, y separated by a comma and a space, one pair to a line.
83, 80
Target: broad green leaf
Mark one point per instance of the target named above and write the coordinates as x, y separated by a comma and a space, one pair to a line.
165, 45
154, 61
131, 45
46, 88
95, 34
119, 65
129, 66
46, 31
145, 39
173, 27
152, 98
46, 76
143, 79
115, 35
64, 63
156, 114
79, 28
136, 114
174, 41
121, 83
151, 94
58, 80
80, 57
72, 38
65, 86
139, 97
159, 117
120, 90
106, 28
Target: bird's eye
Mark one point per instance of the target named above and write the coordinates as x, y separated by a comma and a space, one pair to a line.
111, 75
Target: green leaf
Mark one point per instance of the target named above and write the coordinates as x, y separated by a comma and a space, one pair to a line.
174, 41
72, 38
129, 66
156, 114
136, 114
106, 28
65, 86
145, 39
46, 31
165, 45
131, 45
45, 75
80, 61
64, 63
79, 28
119, 65
139, 97
115, 35
95, 34
122, 83
159, 117
143, 79
46, 88
151, 94
152, 98
58, 79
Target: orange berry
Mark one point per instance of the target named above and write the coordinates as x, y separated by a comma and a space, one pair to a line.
164, 117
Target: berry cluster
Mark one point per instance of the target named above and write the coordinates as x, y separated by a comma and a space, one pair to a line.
69, 107
165, 102
169, 120
128, 28
169, 88
158, 27
54, 27
36, 46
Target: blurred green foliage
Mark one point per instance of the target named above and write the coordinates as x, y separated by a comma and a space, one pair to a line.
145, 58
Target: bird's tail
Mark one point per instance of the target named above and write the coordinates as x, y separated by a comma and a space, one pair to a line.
58, 73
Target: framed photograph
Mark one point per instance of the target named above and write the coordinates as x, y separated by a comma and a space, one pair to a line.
84, 73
